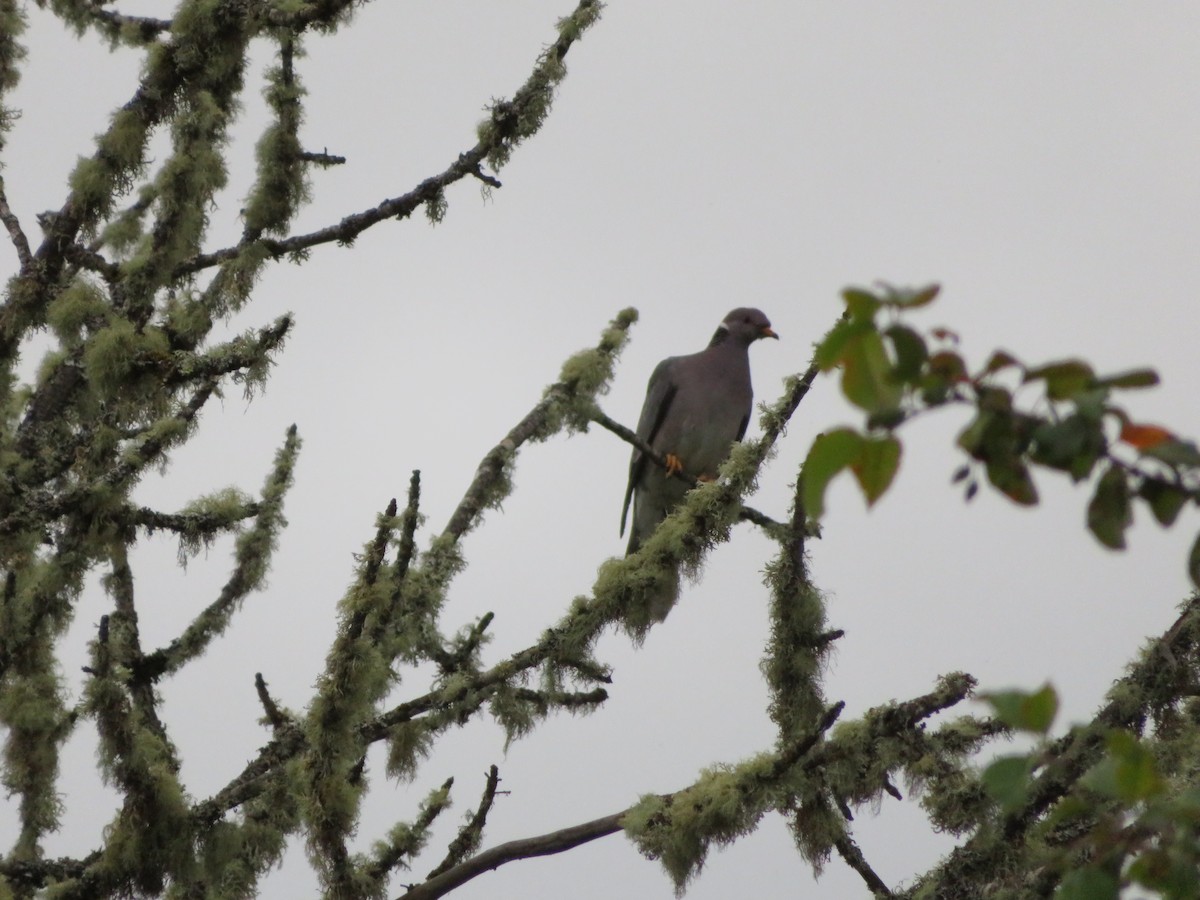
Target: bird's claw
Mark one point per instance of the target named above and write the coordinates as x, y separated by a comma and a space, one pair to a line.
674, 464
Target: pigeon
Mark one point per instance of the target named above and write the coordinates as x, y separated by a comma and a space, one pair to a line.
696, 407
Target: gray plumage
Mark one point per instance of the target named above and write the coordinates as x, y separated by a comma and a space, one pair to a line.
696, 407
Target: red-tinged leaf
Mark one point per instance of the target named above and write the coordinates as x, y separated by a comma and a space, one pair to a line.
944, 334
1013, 480
994, 399
948, 366
1143, 437
1137, 378
911, 298
1164, 499
1063, 379
997, 361
830, 453
876, 466
867, 378
1110, 512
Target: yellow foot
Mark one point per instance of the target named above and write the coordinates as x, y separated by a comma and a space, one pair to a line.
705, 479
674, 464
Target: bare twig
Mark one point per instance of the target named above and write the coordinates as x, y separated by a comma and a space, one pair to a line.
408, 546
274, 715
322, 159
493, 858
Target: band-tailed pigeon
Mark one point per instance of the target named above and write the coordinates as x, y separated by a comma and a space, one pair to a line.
696, 407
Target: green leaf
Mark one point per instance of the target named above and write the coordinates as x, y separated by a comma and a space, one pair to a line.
1137, 378
1073, 445
1063, 379
971, 437
1110, 513
1171, 877
867, 379
1023, 710
1194, 562
994, 399
944, 370
1175, 453
861, 303
910, 351
911, 298
1127, 772
830, 453
1164, 499
1136, 775
1088, 883
876, 466
1007, 781
887, 420
832, 348
1012, 479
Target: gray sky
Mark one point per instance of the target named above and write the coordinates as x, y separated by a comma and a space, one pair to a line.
1038, 160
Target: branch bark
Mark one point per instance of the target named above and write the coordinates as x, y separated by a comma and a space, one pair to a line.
525, 848
20, 241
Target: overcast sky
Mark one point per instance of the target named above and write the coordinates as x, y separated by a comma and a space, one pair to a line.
1039, 160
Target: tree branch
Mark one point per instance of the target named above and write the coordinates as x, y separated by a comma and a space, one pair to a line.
748, 513
542, 845
849, 851
468, 837
507, 125
569, 838
20, 241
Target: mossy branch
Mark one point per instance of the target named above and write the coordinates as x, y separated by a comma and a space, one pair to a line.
1167, 670
511, 122
470, 835
252, 560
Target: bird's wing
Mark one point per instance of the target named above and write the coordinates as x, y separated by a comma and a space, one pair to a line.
659, 394
742, 427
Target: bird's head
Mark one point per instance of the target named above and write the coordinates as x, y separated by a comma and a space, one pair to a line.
744, 326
